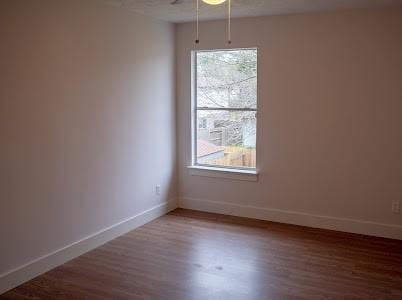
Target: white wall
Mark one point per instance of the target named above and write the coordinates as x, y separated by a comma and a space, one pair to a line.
329, 126
87, 122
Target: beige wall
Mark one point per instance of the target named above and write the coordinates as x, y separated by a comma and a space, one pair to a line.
330, 115
87, 122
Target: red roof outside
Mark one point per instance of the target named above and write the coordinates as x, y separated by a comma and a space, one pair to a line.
205, 148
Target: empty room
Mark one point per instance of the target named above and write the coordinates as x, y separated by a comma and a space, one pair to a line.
201, 149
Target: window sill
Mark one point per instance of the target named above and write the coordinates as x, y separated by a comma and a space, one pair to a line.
234, 174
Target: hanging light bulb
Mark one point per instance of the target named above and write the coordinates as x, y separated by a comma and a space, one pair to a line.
214, 2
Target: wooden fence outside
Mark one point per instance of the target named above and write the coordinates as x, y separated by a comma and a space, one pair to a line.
236, 157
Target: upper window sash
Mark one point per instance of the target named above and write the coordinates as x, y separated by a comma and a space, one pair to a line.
212, 93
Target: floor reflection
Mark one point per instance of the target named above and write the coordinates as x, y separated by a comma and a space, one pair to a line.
223, 268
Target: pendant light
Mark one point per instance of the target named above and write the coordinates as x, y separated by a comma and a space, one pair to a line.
214, 2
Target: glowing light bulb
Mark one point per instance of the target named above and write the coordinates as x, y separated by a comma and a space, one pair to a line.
214, 2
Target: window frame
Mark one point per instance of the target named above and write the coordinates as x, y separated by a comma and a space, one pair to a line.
194, 119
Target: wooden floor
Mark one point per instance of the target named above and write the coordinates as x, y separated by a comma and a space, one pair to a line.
193, 255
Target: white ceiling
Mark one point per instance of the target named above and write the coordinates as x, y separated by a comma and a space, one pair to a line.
185, 9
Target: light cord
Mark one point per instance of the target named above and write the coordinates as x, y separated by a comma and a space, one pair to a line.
229, 22
197, 40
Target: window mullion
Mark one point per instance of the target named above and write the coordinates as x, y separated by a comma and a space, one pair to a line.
225, 109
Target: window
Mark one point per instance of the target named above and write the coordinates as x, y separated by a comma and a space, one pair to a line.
225, 108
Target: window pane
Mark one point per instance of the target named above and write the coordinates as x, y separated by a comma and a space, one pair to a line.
227, 139
227, 79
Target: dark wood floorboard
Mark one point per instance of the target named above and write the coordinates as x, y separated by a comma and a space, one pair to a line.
194, 255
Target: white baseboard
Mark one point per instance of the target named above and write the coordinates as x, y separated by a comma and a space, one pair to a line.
296, 218
45, 263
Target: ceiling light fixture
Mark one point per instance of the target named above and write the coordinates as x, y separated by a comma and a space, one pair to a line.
214, 2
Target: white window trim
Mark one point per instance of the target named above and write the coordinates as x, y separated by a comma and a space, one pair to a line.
219, 172
196, 169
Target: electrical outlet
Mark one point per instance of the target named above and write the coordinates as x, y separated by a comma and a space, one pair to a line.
395, 207
157, 189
